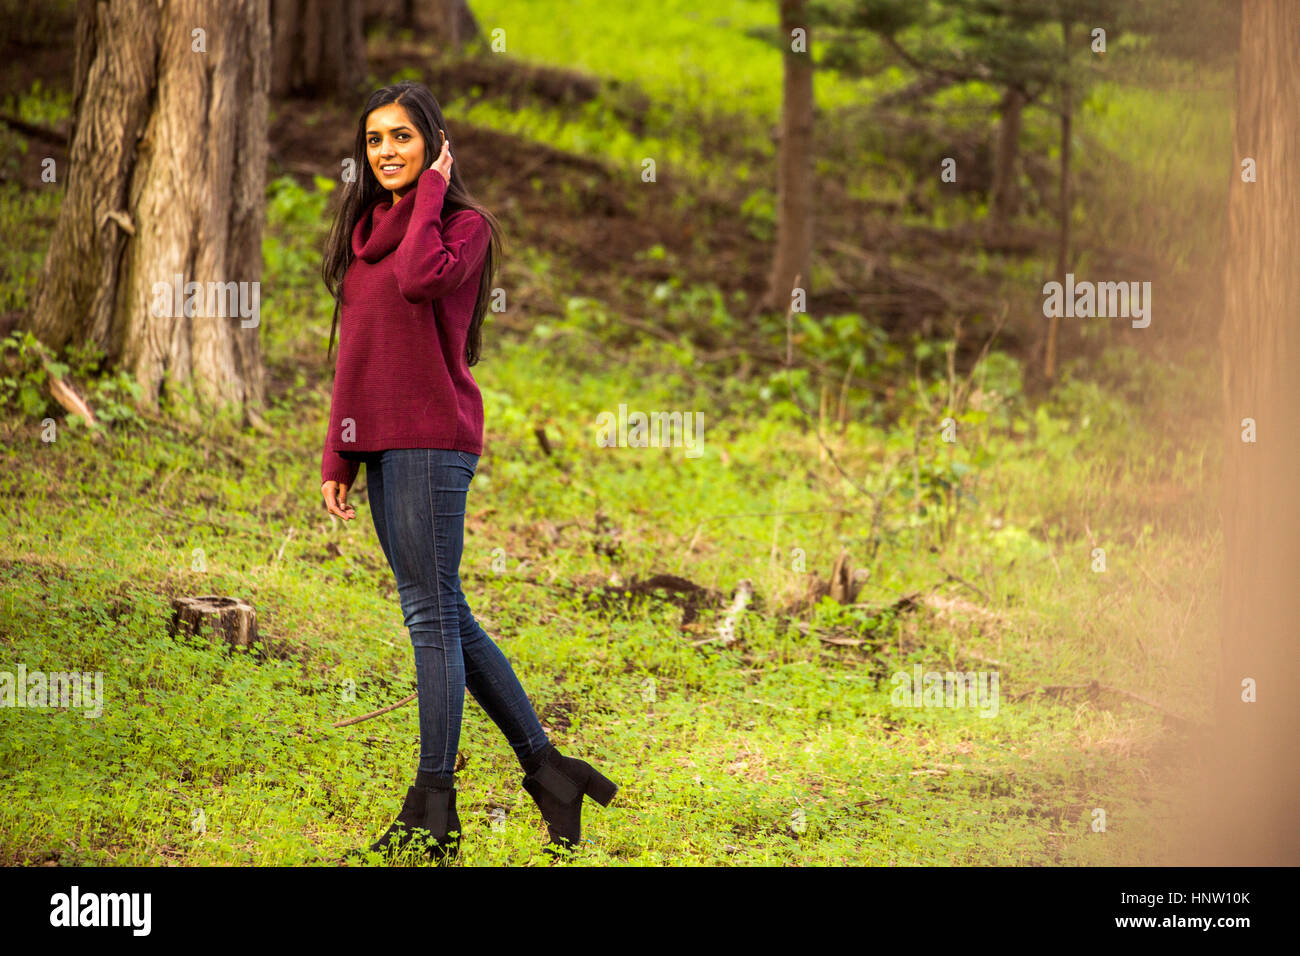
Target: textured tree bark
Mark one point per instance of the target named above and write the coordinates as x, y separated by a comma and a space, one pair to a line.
1254, 784
115, 74
232, 621
319, 48
166, 177
794, 166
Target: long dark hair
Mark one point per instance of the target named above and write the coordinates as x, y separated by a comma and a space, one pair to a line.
358, 195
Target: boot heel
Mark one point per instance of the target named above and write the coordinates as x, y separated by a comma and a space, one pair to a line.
600, 788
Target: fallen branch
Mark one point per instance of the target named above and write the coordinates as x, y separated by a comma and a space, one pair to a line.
66, 396
727, 629
963, 581
905, 603
31, 129
962, 653
840, 641
1094, 687
375, 713
280, 554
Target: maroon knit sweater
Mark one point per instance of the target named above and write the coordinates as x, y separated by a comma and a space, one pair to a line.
402, 380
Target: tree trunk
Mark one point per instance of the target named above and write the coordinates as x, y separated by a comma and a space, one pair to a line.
450, 22
1005, 201
457, 24
1254, 784
1063, 243
794, 166
319, 48
166, 177
226, 620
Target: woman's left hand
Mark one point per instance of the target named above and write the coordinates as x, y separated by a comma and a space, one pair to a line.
443, 163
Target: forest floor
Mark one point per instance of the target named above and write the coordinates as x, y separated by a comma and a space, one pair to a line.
605, 574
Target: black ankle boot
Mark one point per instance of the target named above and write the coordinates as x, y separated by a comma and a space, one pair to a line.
428, 821
557, 784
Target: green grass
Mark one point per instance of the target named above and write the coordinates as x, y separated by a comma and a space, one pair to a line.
708, 74
1175, 173
717, 749
28, 217
722, 55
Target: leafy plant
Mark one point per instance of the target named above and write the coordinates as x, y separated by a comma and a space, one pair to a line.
23, 387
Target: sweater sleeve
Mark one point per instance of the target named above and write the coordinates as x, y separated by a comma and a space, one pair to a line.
432, 260
333, 466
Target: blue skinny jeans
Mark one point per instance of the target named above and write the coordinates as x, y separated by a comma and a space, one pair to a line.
417, 501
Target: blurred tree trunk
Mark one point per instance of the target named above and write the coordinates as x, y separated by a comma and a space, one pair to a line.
319, 48
451, 22
1005, 200
1063, 241
166, 177
457, 25
1254, 783
794, 165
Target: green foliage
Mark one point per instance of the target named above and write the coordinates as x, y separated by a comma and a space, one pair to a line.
297, 224
41, 106
759, 212
23, 385
113, 398
1164, 189
13, 146
25, 217
407, 73
233, 759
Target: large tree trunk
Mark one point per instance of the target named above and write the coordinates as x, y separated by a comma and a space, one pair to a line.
319, 48
794, 166
166, 177
1254, 782
1005, 200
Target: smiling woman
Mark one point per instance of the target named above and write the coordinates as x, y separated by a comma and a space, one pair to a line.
410, 261
396, 150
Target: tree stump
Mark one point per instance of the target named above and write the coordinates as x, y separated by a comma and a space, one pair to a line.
230, 620
845, 583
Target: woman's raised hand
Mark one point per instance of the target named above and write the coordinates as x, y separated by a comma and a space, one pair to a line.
443, 163
336, 500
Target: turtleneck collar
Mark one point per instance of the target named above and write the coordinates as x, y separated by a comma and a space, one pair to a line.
381, 227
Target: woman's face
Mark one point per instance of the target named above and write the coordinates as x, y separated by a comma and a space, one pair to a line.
395, 149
